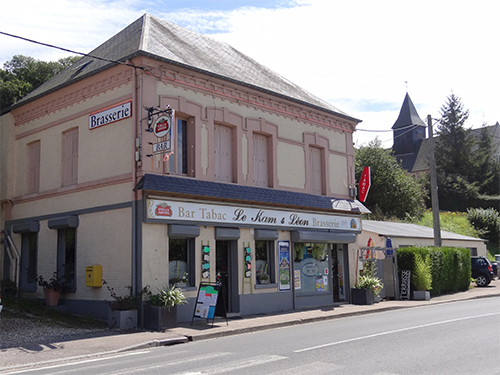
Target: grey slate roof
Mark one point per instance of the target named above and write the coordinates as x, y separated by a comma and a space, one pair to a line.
407, 115
246, 194
164, 41
404, 230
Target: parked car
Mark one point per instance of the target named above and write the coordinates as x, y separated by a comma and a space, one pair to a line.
481, 270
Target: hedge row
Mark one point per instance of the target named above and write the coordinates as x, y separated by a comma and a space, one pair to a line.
450, 267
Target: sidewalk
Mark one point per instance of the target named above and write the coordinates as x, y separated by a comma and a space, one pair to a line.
115, 342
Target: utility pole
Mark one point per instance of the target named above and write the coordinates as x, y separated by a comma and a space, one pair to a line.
434, 188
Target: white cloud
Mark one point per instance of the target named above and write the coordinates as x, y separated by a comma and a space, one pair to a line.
349, 53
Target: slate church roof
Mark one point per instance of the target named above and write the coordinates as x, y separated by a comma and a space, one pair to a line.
164, 41
408, 115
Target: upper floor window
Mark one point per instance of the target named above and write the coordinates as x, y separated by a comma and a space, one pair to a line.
178, 162
260, 160
33, 171
223, 153
70, 157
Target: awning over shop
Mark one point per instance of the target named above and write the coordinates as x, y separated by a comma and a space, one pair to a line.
188, 187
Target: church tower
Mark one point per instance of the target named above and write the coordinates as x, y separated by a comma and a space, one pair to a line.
408, 132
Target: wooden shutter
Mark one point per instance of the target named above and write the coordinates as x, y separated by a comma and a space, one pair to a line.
260, 161
33, 170
223, 163
316, 174
70, 158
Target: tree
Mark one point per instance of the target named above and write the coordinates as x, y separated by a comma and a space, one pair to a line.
454, 149
486, 166
23, 74
393, 192
454, 156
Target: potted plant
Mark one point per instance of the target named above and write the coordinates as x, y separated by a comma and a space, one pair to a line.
160, 310
264, 278
182, 281
51, 288
365, 290
123, 309
421, 278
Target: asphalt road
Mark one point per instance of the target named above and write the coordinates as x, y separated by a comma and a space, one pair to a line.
454, 338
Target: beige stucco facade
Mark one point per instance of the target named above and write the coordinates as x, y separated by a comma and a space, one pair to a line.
113, 228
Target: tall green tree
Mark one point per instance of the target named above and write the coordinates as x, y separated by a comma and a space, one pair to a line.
393, 192
23, 74
486, 165
455, 164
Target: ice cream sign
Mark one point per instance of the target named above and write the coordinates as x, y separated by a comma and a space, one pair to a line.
211, 213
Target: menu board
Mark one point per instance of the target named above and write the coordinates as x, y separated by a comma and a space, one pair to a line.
209, 302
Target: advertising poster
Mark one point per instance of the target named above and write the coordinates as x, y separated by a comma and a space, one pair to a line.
296, 279
284, 265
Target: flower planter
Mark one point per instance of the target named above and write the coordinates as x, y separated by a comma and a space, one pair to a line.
51, 296
421, 295
122, 319
180, 284
361, 297
159, 318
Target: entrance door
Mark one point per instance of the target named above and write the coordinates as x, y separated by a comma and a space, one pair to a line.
226, 264
338, 272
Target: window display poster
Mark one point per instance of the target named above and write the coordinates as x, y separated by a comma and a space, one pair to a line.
296, 279
284, 266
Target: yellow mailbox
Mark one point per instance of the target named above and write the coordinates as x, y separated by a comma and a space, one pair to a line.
93, 276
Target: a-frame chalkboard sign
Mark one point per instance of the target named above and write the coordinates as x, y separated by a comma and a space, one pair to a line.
209, 303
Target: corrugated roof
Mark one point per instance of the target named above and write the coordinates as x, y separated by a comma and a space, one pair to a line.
404, 230
244, 194
162, 40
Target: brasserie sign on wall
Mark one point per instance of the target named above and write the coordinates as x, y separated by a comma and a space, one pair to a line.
211, 213
111, 114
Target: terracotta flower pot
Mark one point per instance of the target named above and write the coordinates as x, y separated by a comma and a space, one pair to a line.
51, 296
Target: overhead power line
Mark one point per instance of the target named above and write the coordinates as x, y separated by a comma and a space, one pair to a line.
71, 51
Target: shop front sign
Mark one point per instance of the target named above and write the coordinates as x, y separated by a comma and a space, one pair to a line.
239, 215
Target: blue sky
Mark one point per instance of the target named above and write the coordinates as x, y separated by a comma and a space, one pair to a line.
361, 56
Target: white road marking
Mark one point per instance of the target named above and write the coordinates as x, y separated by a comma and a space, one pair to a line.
391, 332
235, 365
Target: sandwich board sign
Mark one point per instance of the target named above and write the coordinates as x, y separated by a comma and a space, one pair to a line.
209, 302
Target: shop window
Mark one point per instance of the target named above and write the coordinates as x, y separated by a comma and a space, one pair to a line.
29, 254
180, 159
265, 261
33, 168
70, 158
66, 257
311, 267
260, 160
223, 154
316, 171
181, 265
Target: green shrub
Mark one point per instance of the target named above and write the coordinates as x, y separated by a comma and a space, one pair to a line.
449, 267
421, 276
486, 222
